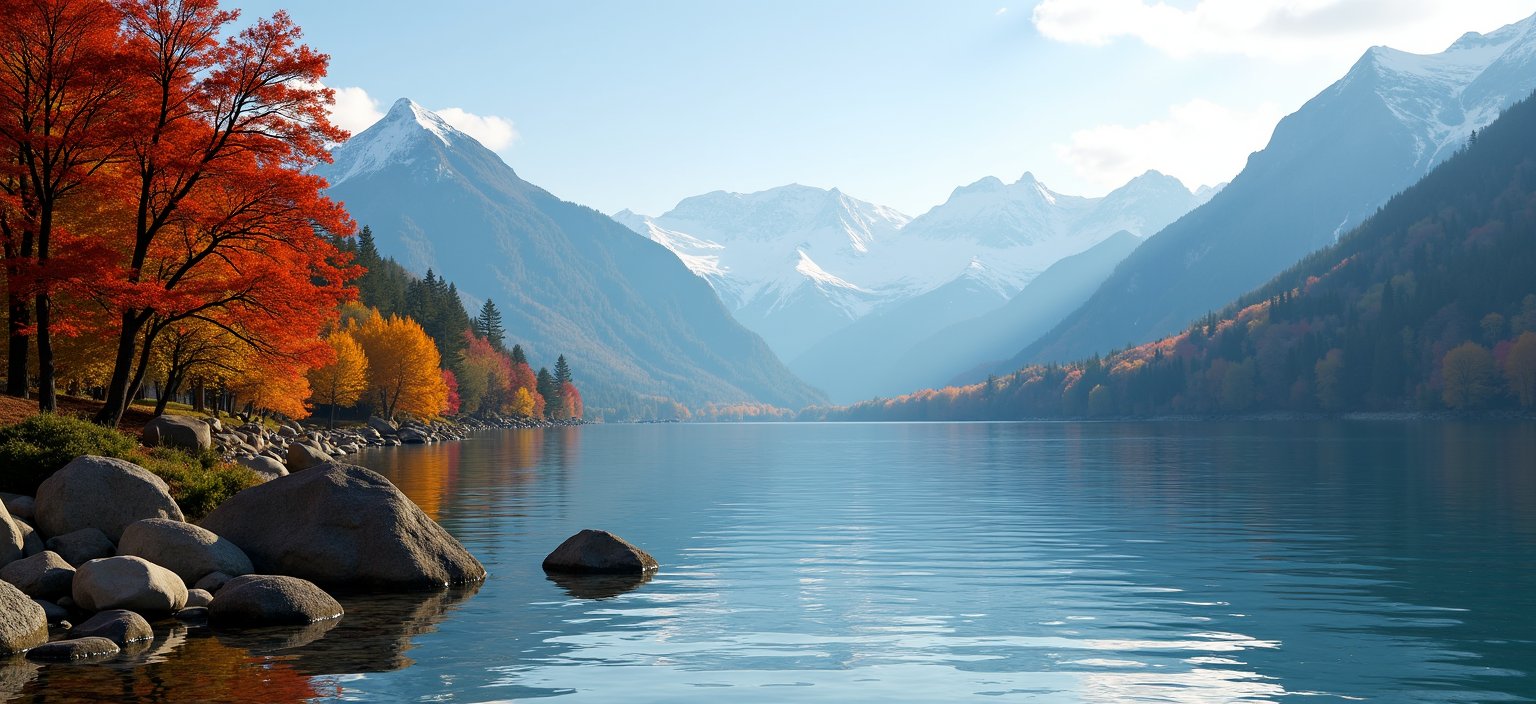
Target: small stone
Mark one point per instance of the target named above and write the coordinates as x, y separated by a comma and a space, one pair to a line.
598, 552
198, 597
302, 456
193, 614
74, 649
117, 625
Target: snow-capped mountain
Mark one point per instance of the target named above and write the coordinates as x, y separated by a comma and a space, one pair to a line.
797, 264
1328, 166
632, 320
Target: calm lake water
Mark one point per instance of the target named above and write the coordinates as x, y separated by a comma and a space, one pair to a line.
1052, 562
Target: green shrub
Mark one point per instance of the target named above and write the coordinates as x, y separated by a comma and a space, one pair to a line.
199, 482
35, 448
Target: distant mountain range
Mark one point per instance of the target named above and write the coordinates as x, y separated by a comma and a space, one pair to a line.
1428, 305
839, 286
634, 322
1328, 166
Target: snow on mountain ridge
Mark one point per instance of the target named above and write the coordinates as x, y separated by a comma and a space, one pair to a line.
398, 138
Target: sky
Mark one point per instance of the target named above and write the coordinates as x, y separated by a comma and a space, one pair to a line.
622, 104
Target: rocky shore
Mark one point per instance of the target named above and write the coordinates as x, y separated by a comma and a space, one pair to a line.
103, 551
291, 446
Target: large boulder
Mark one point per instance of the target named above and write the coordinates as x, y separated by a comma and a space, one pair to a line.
271, 600
128, 582
117, 625
179, 432
189, 551
339, 524
42, 576
598, 552
302, 456
13, 543
102, 493
21, 507
82, 546
381, 426
23, 624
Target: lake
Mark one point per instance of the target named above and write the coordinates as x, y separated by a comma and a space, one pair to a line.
1050, 562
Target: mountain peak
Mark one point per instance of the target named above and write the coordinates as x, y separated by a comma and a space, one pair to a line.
406, 111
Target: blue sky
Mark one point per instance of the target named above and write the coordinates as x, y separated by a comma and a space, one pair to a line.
639, 104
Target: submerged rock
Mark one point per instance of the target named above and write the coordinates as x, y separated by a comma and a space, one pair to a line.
339, 524
75, 649
272, 600
102, 493
598, 552
117, 625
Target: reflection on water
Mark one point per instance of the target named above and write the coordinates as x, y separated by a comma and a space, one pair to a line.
599, 586
1096, 562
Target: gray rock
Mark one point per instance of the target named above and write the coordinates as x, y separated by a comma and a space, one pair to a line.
271, 600
102, 493
381, 426
42, 576
302, 456
13, 545
31, 542
198, 597
179, 432
193, 614
82, 546
117, 625
22, 507
53, 612
189, 551
598, 552
23, 624
131, 583
339, 524
213, 582
265, 466
74, 649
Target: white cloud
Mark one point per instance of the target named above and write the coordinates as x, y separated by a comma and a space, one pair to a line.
355, 111
496, 133
1275, 29
1199, 142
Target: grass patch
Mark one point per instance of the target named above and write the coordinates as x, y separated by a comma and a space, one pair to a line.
32, 450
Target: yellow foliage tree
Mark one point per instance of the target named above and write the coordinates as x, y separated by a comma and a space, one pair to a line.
343, 381
522, 403
273, 385
404, 368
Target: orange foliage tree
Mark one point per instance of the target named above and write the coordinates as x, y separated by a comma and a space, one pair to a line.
65, 104
219, 215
